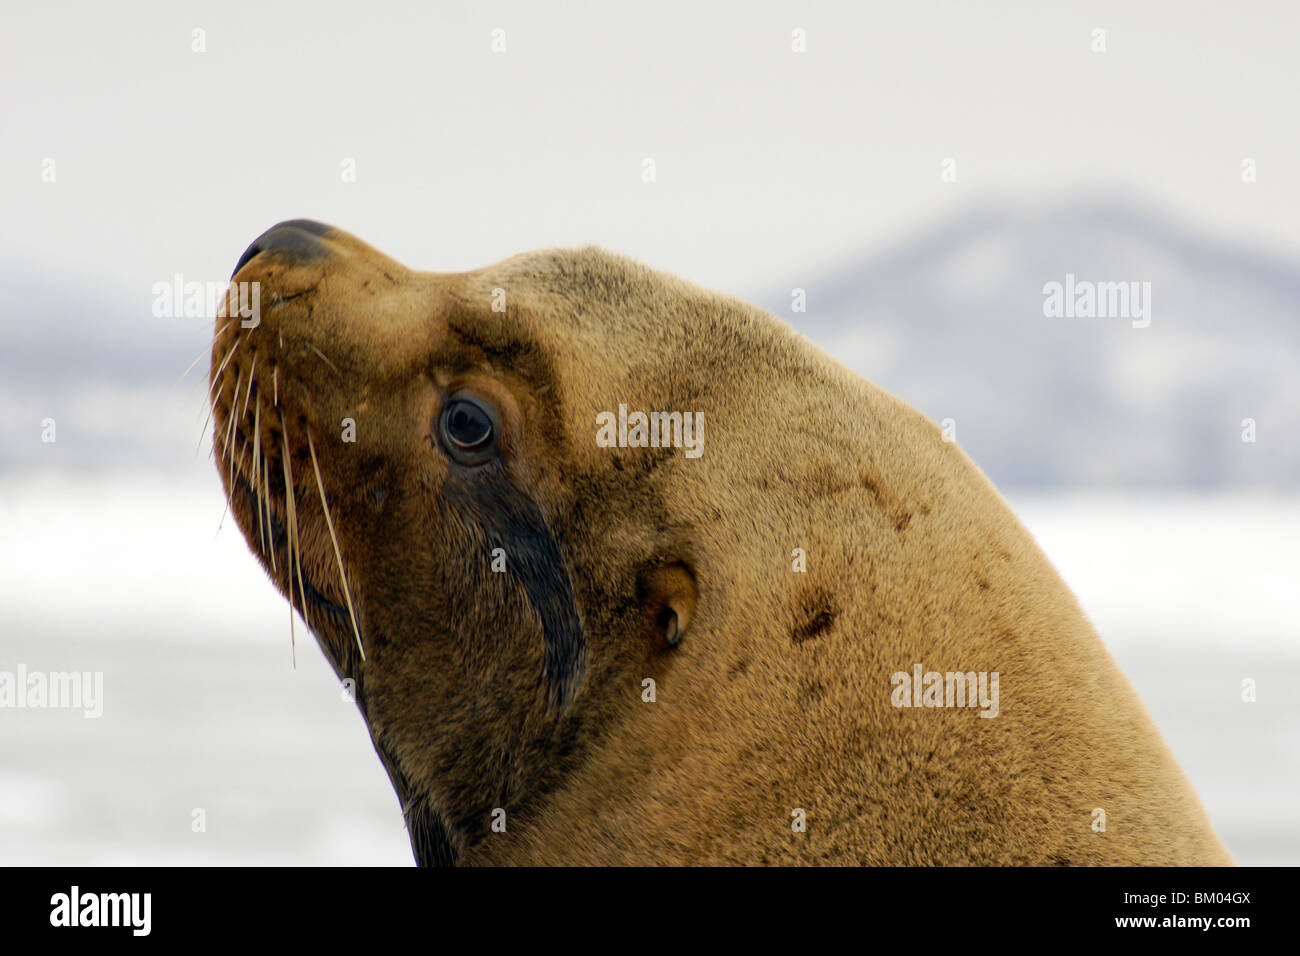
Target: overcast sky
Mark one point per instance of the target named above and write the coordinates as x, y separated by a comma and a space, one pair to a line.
768, 162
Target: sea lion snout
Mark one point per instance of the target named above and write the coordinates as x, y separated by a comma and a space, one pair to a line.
294, 240
330, 306
303, 408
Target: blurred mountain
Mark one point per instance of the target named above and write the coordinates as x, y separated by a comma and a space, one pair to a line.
952, 321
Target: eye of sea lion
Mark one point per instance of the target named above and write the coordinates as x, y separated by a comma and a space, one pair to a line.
468, 429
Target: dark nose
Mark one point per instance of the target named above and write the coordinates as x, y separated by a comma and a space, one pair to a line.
295, 240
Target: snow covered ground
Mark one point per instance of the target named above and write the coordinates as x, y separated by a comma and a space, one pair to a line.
204, 710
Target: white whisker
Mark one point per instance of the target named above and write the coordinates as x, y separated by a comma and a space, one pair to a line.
338, 555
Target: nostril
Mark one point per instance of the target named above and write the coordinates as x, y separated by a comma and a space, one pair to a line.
295, 241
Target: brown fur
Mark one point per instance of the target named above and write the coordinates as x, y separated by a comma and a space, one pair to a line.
778, 696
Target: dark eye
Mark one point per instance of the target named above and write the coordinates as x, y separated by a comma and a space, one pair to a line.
468, 430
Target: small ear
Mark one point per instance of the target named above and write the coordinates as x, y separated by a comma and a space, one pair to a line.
668, 591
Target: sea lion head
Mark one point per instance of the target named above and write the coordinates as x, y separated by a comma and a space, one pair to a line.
414, 458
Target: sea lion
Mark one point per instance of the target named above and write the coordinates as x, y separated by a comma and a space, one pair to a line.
574, 643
